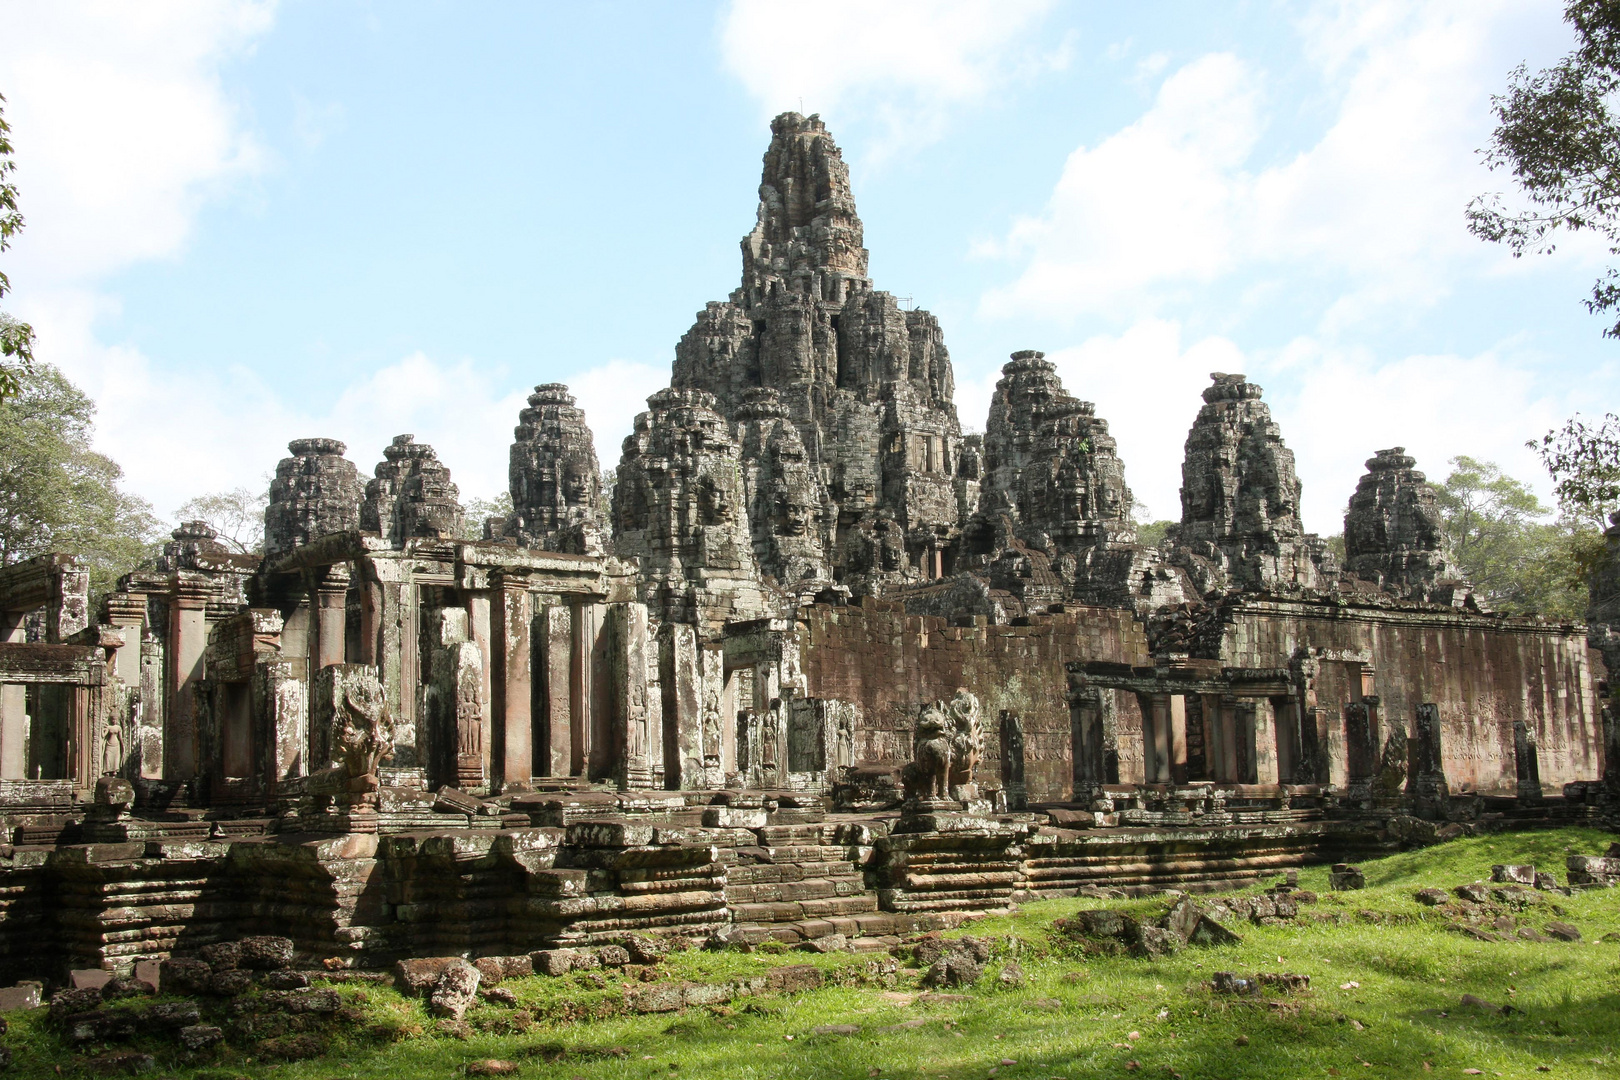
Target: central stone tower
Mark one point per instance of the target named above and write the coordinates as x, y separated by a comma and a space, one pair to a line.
867, 385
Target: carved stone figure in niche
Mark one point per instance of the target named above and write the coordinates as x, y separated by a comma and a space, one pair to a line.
113, 747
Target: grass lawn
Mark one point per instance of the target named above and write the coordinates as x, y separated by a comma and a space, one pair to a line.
1386, 985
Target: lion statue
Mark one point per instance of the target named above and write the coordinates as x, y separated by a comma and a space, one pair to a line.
928, 774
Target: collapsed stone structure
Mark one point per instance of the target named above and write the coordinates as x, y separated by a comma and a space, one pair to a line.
821, 665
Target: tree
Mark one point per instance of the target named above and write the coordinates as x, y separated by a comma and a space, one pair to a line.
1499, 535
16, 338
57, 494
236, 515
475, 510
1584, 462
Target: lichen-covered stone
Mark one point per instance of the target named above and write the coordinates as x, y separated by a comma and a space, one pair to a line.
410, 495
555, 481
1392, 529
316, 491
1240, 525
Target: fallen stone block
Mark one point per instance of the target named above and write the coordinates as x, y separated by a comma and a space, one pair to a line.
101, 1025
222, 955
455, 990
199, 1036
418, 975
1344, 878
1514, 874
87, 978
183, 976
1431, 897
1011, 976
1563, 931
1476, 893
130, 1064
265, 952
21, 997
171, 1014
1209, 933
793, 979
449, 800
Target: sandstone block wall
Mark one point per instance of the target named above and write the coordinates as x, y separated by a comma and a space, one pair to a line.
1483, 673
889, 663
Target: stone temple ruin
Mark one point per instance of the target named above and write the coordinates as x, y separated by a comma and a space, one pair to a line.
818, 665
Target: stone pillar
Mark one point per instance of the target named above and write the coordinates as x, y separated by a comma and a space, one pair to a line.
188, 641
1178, 739
84, 749
1214, 738
555, 629
1012, 760
511, 651
1231, 733
478, 632
67, 607
1360, 750
1265, 742
637, 706
592, 740
681, 674
1086, 725
1526, 762
13, 709
331, 595
1156, 753
283, 702
1430, 794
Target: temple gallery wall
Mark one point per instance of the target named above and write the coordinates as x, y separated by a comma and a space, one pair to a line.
817, 664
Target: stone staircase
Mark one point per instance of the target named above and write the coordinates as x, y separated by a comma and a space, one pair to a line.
805, 883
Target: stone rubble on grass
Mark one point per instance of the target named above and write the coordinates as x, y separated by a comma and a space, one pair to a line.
1344, 878
455, 990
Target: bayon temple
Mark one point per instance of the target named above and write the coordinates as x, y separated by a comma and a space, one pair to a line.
815, 663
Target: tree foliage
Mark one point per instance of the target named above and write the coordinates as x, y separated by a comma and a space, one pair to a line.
236, 515
56, 493
1584, 461
476, 510
16, 338
1519, 557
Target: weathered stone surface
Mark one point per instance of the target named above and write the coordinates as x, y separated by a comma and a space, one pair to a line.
1515, 874
556, 484
1240, 525
199, 1036
316, 491
455, 990
679, 506
410, 495
265, 952
19, 998
1392, 529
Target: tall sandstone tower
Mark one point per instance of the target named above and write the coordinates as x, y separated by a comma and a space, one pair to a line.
867, 385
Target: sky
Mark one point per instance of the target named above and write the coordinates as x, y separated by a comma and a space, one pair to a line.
251, 221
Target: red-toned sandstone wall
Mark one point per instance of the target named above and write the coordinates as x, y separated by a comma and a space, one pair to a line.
1483, 672
889, 663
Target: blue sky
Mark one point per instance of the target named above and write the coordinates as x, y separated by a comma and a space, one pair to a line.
249, 222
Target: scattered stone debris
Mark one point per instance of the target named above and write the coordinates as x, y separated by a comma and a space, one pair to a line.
1345, 877
1226, 982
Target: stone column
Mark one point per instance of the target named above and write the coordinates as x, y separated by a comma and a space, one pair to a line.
512, 653
331, 595
1265, 742
637, 706
1156, 768
188, 641
681, 674
1012, 760
67, 607
1086, 726
1231, 733
555, 629
1526, 762
283, 701
1178, 739
1431, 796
84, 756
592, 747
478, 632
1214, 738
1360, 749
13, 709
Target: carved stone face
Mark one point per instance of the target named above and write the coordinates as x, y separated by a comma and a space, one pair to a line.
791, 514
575, 484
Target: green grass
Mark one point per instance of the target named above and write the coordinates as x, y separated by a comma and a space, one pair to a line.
1077, 1014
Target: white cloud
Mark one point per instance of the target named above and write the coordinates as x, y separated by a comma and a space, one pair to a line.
905, 62
121, 127
611, 395
1374, 207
